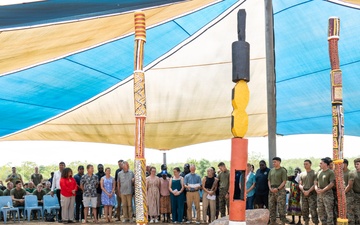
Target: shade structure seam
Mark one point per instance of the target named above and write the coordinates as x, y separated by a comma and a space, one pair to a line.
155, 122
183, 15
26, 103
91, 68
308, 118
125, 81
190, 66
318, 71
196, 35
147, 122
182, 28
200, 65
293, 6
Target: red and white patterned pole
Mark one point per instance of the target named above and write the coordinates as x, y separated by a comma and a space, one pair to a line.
337, 116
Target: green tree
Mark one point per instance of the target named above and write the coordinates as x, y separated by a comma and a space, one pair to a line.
46, 170
74, 165
203, 166
5, 170
26, 169
193, 162
254, 159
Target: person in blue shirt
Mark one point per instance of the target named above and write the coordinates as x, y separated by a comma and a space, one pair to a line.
262, 187
250, 187
192, 183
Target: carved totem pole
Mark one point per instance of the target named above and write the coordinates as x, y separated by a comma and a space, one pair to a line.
239, 124
140, 117
337, 116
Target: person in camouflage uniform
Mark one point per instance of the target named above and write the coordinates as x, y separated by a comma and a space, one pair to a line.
335, 209
356, 189
277, 196
324, 182
348, 183
224, 184
308, 194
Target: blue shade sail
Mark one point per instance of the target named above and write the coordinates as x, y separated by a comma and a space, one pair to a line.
44, 91
303, 66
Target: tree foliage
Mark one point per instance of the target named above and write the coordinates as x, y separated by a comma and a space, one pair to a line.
27, 168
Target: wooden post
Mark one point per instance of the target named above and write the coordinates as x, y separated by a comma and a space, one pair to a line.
239, 123
140, 117
337, 115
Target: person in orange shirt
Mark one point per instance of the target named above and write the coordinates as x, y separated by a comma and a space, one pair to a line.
68, 191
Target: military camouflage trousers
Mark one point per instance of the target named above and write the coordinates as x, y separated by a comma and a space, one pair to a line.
357, 208
277, 200
223, 202
335, 209
350, 207
309, 206
325, 203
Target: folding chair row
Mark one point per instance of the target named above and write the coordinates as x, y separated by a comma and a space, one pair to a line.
50, 205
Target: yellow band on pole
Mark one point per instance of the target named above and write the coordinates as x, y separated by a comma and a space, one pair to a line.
338, 161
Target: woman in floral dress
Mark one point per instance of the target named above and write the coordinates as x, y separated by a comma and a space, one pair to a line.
107, 184
294, 208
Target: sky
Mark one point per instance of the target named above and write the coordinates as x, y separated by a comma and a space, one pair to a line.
50, 152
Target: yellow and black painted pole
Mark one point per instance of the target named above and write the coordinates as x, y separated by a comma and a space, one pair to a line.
239, 123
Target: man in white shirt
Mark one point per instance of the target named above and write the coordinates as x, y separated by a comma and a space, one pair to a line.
55, 187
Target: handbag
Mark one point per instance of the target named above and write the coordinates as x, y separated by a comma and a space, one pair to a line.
49, 217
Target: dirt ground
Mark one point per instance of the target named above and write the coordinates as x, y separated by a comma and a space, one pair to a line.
102, 221
90, 222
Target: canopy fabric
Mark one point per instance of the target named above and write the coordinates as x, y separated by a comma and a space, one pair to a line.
188, 98
303, 66
55, 11
72, 80
27, 47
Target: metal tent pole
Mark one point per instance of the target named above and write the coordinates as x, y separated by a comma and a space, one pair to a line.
270, 75
164, 158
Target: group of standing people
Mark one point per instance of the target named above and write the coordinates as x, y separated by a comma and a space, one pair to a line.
311, 192
178, 194
166, 194
174, 196
170, 196
81, 190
